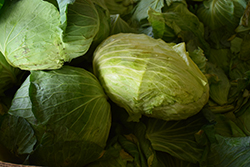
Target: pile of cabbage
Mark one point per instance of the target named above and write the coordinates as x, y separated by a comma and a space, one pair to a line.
125, 83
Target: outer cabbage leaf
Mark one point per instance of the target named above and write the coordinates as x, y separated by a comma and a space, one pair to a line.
29, 40
238, 68
177, 21
67, 109
118, 25
34, 35
177, 137
220, 155
220, 18
104, 16
8, 74
244, 49
21, 104
148, 76
121, 7
240, 46
138, 146
244, 21
225, 141
221, 13
221, 58
199, 58
17, 136
219, 84
141, 9
114, 156
243, 117
144, 145
53, 151
160, 29
239, 93
167, 160
80, 23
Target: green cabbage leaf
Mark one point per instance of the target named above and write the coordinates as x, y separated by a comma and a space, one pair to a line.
176, 21
36, 35
177, 138
69, 114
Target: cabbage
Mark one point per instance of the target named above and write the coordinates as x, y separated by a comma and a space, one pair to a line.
221, 13
35, 35
150, 77
67, 111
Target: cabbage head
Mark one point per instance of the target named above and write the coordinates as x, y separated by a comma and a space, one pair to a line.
149, 77
69, 114
224, 14
38, 35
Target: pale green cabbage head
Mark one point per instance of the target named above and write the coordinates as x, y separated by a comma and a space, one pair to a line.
36, 35
149, 77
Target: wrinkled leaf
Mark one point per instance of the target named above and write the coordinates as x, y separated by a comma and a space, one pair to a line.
17, 135
141, 9
199, 58
62, 153
28, 40
118, 25
80, 24
244, 21
114, 156
121, 7
221, 58
243, 118
104, 16
176, 137
238, 68
178, 21
66, 107
167, 160
226, 141
21, 104
46, 38
221, 13
219, 84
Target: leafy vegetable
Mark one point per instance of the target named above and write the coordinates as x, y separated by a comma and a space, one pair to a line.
219, 84
178, 22
221, 17
121, 7
118, 25
69, 113
174, 76
141, 9
225, 135
17, 135
150, 77
45, 39
176, 137
221, 13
